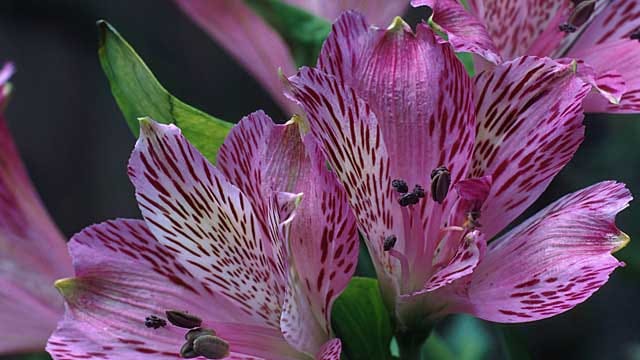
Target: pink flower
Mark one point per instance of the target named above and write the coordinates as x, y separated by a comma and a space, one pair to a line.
259, 48
258, 247
435, 164
32, 251
604, 34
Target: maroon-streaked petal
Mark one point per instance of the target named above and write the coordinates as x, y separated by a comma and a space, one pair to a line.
124, 275
617, 75
379, 12
330, 350
324, 252
33, 252
270, 162
529, 126
464, 31
248, 38
617, 20
523, 27
208, 223
553, 261
348, 134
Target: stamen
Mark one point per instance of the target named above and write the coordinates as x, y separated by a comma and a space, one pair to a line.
154, 322
408, 199
418, 191
473, 218
635, 35
389, 242
568, 28
211, 347
400, 186
187, 351
192, 334
440, 182
582, 12
183, 319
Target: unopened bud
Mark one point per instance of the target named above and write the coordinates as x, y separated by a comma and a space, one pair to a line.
211, 347
183, 319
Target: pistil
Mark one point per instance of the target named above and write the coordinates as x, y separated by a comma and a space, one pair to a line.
389, 243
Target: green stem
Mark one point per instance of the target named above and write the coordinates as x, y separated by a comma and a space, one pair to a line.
410, 344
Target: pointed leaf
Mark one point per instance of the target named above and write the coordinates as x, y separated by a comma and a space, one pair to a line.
138, 94
361, 321
303, 32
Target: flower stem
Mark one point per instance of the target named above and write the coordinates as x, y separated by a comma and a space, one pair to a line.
410, 344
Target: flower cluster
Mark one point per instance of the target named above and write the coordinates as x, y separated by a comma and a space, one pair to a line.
392, 140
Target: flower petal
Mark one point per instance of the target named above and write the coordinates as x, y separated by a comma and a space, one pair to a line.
522, 27
264, 160
529, 126
348, 133
330, 350
324, 250
553, 261
33, 252
464, 31
207, 222
248, 38
124, 275
610, 60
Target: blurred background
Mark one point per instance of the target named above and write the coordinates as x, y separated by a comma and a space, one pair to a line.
75, 145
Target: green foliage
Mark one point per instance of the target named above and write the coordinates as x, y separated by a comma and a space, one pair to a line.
467, 338
303, 32
467, 61
362, 322
139, 94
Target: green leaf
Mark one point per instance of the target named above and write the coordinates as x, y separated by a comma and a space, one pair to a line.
469, 337
362, 322
138, 94
303, 32
467, 60
436, 348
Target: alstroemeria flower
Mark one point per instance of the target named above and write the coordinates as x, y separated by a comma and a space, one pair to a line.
258, 247
436, 164
604, 34
259, 48
32, 251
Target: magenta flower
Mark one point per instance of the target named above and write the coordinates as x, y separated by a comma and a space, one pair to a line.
603, 34
258, 247
259, 48
436, 164
32, 251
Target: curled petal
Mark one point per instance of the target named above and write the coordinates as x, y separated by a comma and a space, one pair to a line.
553, 261
529, 126
208, 223
464, 31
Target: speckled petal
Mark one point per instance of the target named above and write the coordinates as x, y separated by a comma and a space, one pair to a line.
553, 261
208, 223
529, 126
330, 350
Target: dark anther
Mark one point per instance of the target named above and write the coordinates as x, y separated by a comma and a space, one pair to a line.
419, 191
635, 35
211, 347
568, 28
389, 242
192, 334
183, 319
440, 181
400, 186
582, 12
187, 351
408, 199
155, 322
473, 219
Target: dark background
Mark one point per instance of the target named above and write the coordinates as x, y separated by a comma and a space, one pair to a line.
75, 144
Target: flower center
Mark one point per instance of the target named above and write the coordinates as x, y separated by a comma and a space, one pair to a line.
199, 341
